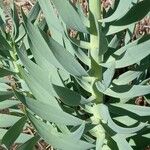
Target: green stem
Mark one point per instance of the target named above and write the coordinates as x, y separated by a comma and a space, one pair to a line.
13, 55
95, 15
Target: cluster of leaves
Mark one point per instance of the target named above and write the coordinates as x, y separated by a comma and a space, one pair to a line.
78, 92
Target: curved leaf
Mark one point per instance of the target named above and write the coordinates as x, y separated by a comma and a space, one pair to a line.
63, 7
56, 139
49, 112
136, 13
12, 134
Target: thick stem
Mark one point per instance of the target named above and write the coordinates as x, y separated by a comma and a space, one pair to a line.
95, 15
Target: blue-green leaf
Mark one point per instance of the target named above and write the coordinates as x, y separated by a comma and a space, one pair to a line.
63, 7
56, 139
13, 133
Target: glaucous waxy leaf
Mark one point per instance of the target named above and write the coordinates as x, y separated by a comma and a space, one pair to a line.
125, 91
48, 112
21, 139
136, 13
5, 72
8, 103
127, 77
57, 139
5, 95
12, 134
139, 110
130, 54
63, 57
7, 120
121, 9
68, 96
104, 114
122, 142
71, 19
29, 144
33, 14
51, 16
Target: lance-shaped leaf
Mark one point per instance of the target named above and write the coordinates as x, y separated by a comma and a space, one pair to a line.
50, 15
48, 111
36, 39
33, 14
21, 139
8, 103
108, 75
8, 120
127, 55
56, 139
5, 95
63, 56
5, 72
127, 77
121, 142
125, 91
122, 8
69, 97
139, 110
53, 20
29, 144
38, 91
134, 14
105, 115
53, 52
13, 133
63, 7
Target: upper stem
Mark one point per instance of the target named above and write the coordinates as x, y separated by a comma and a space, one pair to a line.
95, 15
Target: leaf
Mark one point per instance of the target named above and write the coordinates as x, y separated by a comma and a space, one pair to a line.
21, 139
38, 91
15, 19
139, 110
121, 142
134, 14
36, 40
55, 26
4, 47
127, 77
125, 91
8, 103
8, 120
29, 144
69, 97
126, 120
39, 78
105, 115
114, 42
56, 139
115, 29
50, 14
49, 112
131, 53
13, 133
33, 14
76, 135
51, 71
5, 95
21, 33
103, 44
122, 8
54, 53
108, 75
73, 67
5, 72
63, 7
